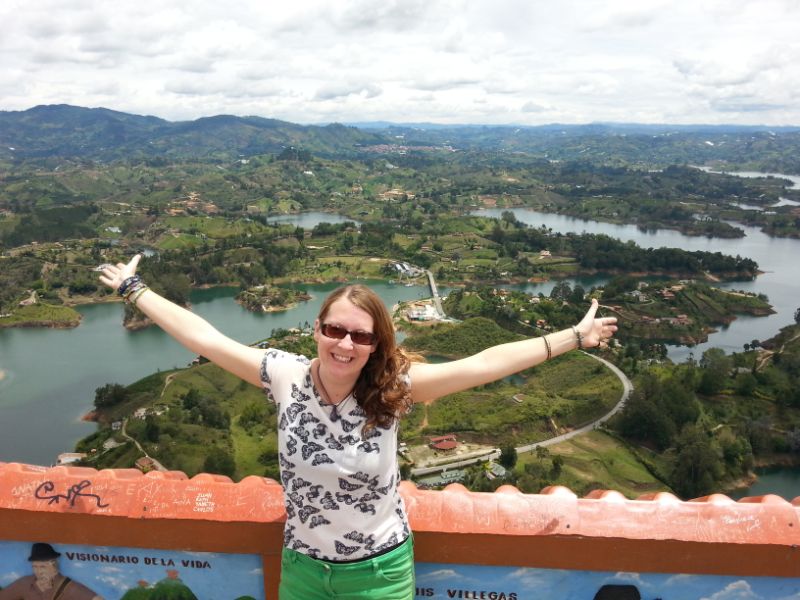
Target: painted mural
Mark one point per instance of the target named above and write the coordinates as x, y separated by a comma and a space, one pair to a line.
45, 571
473, 582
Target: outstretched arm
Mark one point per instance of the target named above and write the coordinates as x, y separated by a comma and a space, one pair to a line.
432, 381
190, 330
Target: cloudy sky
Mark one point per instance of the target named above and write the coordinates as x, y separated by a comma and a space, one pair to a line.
446, 61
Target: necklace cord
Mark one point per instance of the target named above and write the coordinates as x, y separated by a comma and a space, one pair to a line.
328, 398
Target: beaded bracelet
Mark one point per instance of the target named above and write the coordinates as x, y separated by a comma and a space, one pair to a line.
123, 288
133, 297
547, 346
578, 337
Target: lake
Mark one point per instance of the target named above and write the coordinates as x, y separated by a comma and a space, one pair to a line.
51, 375
776, 257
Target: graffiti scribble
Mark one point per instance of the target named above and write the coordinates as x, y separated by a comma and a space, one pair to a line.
74, 492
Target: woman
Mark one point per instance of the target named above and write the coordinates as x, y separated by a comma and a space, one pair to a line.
347, 534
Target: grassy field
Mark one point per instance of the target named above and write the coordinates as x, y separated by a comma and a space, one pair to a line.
567, 393
598, 461
39, 314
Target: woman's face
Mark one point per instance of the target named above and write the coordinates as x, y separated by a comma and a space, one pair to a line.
344, 358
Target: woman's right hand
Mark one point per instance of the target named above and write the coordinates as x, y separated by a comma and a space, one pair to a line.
114, 275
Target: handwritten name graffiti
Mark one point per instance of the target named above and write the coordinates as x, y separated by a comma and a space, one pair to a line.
45, 492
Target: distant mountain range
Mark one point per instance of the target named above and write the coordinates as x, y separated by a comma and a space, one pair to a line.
101, 134
63, 131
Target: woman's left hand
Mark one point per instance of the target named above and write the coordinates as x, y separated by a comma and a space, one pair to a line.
114, 275
596, 331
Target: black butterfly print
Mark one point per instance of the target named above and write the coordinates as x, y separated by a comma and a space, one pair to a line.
300, 546
345, 550
321, 459
296, 498
311, 448
385, 489
313, 492
333, 443
360, 476
357, 412
293, 410
298, 394
355, 536
318, 520
369, 496
328, 502
365, 508
307, 417
348, 439
299, 483
346, 498
264, 371
369, 447
288, 533
347, 486
290, 510
300, 432
291, 446
348, 426
283, 423
305, 512
286, 477
373, 433
285, 464
392, 541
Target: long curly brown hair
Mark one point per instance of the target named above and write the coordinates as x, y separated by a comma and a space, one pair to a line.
381, 390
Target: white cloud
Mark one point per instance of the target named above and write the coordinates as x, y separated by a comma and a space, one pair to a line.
738, 590
487, 61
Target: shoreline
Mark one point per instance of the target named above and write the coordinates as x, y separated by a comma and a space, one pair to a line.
747, 481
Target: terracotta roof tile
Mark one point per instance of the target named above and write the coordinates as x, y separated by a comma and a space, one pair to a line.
557, 510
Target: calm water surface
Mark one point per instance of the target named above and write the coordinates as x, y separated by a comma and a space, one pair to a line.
51, 375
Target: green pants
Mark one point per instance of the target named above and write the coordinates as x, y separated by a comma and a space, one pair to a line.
389, 576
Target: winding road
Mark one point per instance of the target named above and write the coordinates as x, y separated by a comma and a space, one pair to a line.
627, 388
494, 453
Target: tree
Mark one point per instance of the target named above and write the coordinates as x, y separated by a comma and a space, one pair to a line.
508, 456
109, 395
151, 429
716, 369
558, 465
797, 316
219, 461
698, 465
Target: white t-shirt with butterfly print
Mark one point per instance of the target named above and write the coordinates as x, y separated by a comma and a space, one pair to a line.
340, 487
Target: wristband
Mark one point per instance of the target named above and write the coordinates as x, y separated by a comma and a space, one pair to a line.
547, 346
578, 337
127, 284
133, 297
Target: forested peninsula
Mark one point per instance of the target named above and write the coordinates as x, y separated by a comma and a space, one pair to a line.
205, 209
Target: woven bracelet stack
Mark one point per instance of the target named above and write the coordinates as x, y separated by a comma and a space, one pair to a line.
578, 337
131, 289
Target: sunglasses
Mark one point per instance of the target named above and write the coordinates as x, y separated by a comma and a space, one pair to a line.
363, 338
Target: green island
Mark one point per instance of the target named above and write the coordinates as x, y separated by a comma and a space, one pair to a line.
269, 298
203, 206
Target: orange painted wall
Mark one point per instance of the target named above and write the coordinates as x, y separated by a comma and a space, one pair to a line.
554, 529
